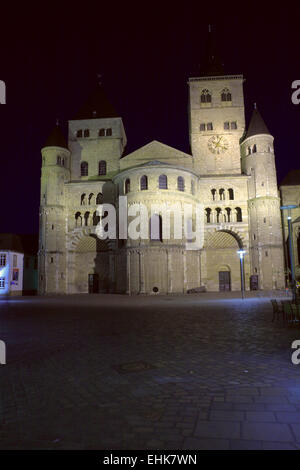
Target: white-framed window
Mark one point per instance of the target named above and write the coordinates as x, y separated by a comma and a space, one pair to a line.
2, 282
3, 260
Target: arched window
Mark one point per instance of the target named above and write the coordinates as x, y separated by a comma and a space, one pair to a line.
101, 132
225, 95
192, 187
231, 194
108, 132
127, 185
254, 148
208, 215
180, 183
249, 151
86, 218
78, 219
205, 96
156, 227
144, 183
84, 169
96, 218
102, 167
79, 133
218, 213
222, 194
58, 160
99, 198
163, 182
86, 133
91, 196
213, 192
83, 199
228, 213
238, 213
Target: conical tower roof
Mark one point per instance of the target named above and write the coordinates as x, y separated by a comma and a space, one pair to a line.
257, 125
97, 106
56, 138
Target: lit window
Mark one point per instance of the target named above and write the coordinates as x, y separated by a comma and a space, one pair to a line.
144, 182
225, 95
180, 183
2, 260
2, 282
205, 96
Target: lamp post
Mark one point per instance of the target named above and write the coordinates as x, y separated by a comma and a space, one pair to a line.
290, 229
241, 253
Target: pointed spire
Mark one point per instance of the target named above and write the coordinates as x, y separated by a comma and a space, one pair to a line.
212, 64
257, 124
97, 105
56, 138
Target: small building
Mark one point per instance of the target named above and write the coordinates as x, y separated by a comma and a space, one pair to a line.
18, 264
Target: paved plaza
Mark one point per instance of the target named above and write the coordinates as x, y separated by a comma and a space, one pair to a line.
171, 372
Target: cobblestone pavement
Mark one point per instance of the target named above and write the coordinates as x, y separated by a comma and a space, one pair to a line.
117, 372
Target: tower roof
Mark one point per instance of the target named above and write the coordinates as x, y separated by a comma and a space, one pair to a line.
257, 125
56, 138
97, 106
212, 64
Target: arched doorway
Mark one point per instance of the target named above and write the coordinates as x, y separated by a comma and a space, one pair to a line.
91, 270
223, 271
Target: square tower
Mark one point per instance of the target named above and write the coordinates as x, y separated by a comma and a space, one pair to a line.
217, 122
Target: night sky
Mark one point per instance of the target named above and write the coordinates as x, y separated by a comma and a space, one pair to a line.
50, 58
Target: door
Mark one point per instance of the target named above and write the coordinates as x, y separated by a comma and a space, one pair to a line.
224, 281
93, 283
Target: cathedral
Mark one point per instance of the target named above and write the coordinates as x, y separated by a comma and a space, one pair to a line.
230, 171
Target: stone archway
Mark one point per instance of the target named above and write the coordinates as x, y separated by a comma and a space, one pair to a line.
220, 249
91, 265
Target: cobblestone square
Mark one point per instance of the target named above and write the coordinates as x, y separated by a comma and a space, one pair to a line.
161, 372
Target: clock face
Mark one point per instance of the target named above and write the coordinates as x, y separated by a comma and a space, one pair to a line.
217, 144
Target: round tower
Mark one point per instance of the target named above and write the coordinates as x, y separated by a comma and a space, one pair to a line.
55, 173
265, 232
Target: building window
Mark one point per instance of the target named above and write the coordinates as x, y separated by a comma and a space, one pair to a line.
2, 282
180, 183
127, 186
209, 126
265, 220
208, 215
238, 212
78, 219
156, 228
205, 96
86, 219
84, 169
58, 160
90, 198
163, 182
108, 132
218, 213
213, 192
96, 218
15, 261
228, 213
144, 183
101, 132
83, 199
202, 127
254, 148
225, 95
222, 194
79, 133
231, 194
99, 198
266, 253
2, 260
86, 133
51, 260
102, 167
233, 125
226, 125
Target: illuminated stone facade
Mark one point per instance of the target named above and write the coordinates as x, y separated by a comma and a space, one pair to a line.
230, 172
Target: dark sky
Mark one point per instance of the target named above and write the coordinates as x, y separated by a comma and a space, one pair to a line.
50, 58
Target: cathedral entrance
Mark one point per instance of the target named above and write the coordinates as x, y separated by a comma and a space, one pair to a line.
93, 283
224, 281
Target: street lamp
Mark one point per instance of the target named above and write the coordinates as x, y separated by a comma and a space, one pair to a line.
290, 228
241, 253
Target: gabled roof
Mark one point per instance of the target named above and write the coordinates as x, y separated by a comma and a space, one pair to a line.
257, 125
97, 106
56, 139
156, 151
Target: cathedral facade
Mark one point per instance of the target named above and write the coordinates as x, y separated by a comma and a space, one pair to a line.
230, 172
